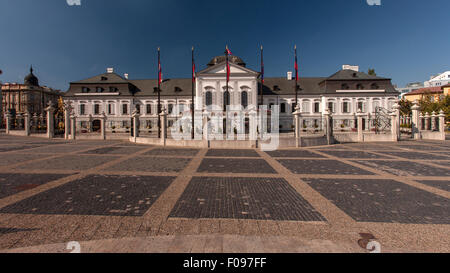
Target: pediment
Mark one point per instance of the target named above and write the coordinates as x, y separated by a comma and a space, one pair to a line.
220, 69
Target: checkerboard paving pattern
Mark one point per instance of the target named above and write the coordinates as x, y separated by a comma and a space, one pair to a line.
384, 201
96, 195
56, 191
243, 198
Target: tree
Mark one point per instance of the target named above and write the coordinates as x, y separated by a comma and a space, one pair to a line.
405, 107
371, 72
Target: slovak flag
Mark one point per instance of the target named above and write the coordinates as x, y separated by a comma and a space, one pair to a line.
193, 66
296, 65
159, 68
228, 52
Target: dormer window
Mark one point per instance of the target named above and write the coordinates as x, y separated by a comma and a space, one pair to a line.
113, 89
103, 78
99, 89
345, 86
359, 86
85, 90
155, 89
374, 86
178, 89
355, 75
276, 88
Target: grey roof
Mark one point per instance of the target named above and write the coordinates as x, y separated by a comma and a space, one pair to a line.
104, 78
283, 86
169, 87
272, 86
349, 75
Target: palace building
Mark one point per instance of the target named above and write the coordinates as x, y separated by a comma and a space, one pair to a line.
27, 97
344, 93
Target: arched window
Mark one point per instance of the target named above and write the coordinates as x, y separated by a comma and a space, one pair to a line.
283, 108
226, 100
244, 99
345, 86
208, 98
374, 86
359, 86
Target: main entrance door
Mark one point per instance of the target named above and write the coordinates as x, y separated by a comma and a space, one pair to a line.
96, 124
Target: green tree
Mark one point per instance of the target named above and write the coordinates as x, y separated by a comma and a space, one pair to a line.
371, 72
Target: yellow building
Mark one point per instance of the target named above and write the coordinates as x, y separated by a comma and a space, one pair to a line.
445, 89
432, 93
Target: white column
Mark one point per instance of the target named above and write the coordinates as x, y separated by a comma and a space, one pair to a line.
415, 120
50, 121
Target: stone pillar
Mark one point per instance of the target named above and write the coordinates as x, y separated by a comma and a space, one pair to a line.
297, 120
359, 117
253, 125
50, 122
427, 121
328, 126
442, 124
415, 126
90, 124
394, 126
135, 115
163, 118
73, 127
67, 111
8, 121
103, 126
26, 124
396, 111
205, 125
433, 121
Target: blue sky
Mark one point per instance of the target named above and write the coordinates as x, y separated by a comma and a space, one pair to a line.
406, 40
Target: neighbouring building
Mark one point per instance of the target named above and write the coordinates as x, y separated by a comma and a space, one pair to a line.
438, 80
27, 97
410, 87
344, 93
433, 94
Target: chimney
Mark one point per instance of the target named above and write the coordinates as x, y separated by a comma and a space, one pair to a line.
125, 76
350, 67
109, 70
289, 75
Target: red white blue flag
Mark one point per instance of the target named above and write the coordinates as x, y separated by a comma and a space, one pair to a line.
159, 67
296, 65
193, 66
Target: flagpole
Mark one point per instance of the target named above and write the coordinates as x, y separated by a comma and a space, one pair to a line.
159, 92
193, 87
262, 78
227, 68
296, 77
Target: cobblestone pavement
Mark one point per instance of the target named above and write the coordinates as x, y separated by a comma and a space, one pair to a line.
114, 196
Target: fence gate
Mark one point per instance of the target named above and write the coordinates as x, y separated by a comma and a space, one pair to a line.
59, 125
382, 120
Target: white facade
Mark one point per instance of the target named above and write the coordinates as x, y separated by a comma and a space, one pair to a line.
439, 80
211, 90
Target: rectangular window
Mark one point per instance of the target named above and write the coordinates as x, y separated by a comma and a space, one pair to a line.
361, 106
316, 107
125, 109
331, 107
345, 107
149, 109
110, 109
96, 109
82, 109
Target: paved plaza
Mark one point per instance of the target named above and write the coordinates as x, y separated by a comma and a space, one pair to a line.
115, 196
